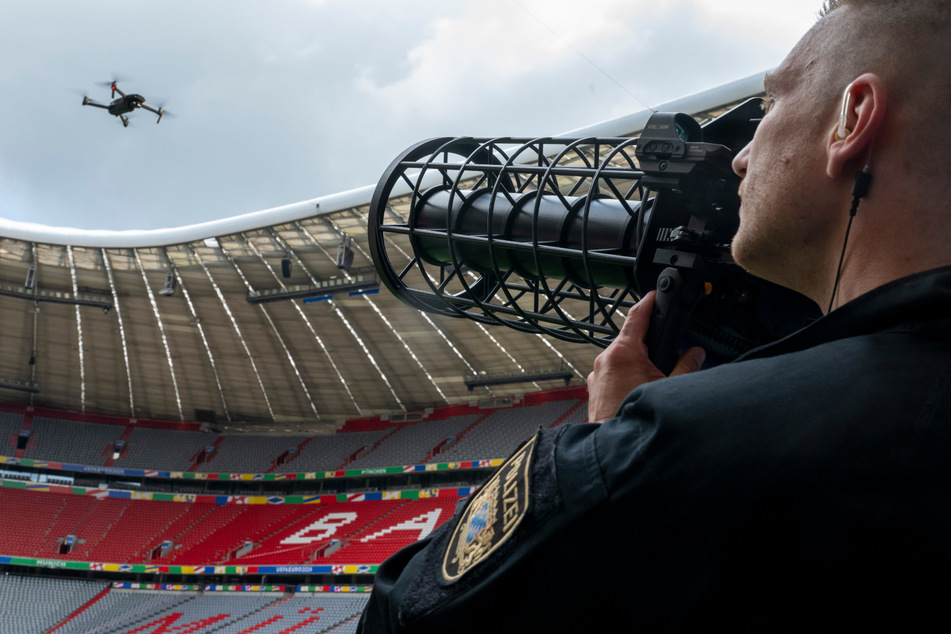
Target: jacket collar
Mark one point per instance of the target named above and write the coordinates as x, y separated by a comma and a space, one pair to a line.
917, 303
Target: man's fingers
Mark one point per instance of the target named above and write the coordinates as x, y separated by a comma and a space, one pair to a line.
638, 320
690, 361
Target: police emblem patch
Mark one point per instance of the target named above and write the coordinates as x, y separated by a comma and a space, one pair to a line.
492, 516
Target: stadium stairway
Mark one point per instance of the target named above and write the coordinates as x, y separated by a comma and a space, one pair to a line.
25, 426
438, 449
364, 451
284, 458
149, 617
568, 414
195, 546
82, 608
266, 622
263, 546
109, 451
201, 455
346, 539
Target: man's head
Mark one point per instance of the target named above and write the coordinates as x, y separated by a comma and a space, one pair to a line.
893, 55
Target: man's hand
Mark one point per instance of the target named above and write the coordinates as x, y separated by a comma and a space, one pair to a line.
624, 365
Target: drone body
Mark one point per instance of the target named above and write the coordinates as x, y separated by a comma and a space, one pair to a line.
125, 104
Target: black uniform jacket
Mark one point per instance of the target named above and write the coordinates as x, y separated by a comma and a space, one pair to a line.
804, 487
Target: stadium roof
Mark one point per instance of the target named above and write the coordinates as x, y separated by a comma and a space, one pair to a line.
96, 334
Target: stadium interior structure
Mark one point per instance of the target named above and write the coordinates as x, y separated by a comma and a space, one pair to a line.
228, 426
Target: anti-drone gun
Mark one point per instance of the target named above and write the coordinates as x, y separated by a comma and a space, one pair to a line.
563, 236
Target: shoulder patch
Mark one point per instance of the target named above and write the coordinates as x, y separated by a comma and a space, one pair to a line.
494, 513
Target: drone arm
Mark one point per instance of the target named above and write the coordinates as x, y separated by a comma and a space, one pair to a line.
89, 102
158, 111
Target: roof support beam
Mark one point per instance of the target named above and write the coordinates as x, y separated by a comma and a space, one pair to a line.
161, 327
125, 347
204, 339
36, 316
79, 331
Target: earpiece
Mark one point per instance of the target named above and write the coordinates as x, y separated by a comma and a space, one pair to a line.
863, 179
842, 132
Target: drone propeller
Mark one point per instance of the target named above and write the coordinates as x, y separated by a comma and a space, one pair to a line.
82, 93
160, 111
116, 77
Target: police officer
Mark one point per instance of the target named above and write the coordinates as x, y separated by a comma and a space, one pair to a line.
806, 485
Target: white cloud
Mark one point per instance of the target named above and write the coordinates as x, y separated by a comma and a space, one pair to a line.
299, 99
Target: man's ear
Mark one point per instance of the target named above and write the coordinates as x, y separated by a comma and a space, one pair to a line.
861, 116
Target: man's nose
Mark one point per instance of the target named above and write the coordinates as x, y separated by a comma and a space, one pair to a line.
741, 160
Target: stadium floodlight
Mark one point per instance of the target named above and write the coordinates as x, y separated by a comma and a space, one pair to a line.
170, 284
345, 254
30, 277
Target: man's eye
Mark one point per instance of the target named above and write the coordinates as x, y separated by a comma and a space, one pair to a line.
766, 104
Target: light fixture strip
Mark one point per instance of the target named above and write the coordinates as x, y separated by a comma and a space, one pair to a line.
79, 331
36, 319
234, 322
125, 347
161, 327
204, 341
33, 357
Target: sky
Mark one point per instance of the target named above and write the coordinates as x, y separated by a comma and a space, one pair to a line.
289, 100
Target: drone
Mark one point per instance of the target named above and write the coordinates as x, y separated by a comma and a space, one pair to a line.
124, 104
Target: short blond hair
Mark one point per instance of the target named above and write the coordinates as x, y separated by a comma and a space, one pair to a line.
896, 39
905, 42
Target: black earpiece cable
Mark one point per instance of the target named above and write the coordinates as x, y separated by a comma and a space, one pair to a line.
859, 189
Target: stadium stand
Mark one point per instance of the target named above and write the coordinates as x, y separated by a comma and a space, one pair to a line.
410, 444
498, 435
182, 612
130, 531
315, 612
327, 453
578, 414
73, 442
163, 449
120, 610
36, 604
250, 454
10, 425
391, 532
132, 611
489, 434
